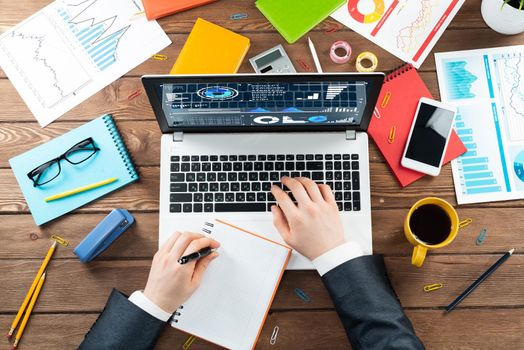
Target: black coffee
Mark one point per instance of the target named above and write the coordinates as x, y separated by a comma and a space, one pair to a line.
430, 223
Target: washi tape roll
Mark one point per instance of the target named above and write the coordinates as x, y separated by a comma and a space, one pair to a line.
340, 45
367, 56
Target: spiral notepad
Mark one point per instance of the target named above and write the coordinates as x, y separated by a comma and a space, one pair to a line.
113, 160
230, 306
395, 110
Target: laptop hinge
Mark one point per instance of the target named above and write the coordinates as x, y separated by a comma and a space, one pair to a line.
351, 135
178, 136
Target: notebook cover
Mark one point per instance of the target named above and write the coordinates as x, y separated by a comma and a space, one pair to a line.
111, 161
406, 88
294, 18
155, 9
211, 49
281, 274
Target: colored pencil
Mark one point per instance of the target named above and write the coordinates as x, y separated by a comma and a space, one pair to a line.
32, 289
315, 55
80, 189
479, 280
28, 311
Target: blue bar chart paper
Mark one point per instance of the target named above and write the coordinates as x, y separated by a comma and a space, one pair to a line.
487, 87
70, 50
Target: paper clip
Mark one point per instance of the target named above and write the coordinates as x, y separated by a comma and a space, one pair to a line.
137, 15
274, 336
238, 16
188, 342
134, 95
392, 132
302, 295
433, 287
385, 100
331, 29
304, 65
465, 222
60, 240
482, 236
377, 114
159, 57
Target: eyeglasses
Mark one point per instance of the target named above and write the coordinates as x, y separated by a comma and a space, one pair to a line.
50, 170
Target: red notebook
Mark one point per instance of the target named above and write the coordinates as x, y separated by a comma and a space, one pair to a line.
396, 107
159, 8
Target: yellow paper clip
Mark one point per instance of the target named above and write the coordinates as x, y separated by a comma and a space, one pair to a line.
386, 99
392, 132
60, 240
159, 57
465, 222
433, 287
274, 336
136, 15
188, 342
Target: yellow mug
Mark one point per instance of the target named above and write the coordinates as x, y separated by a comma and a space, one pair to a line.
420, 247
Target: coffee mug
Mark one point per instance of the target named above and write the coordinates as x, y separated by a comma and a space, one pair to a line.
431, 223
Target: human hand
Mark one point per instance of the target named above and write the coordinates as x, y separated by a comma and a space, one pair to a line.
314, 226
169, 283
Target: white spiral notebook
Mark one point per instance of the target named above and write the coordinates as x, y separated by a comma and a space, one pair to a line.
231, 304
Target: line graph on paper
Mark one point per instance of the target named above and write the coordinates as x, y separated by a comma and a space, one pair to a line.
511, 74
408, 38
49, 51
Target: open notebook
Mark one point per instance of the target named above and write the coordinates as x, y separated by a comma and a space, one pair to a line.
230, 306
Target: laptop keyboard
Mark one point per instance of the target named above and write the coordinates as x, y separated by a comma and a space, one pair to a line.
242, 183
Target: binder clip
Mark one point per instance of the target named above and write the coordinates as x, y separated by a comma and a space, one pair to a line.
482, 236
302, 295
105, 233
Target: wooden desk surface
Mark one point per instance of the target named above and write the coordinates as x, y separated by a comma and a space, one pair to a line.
74, 294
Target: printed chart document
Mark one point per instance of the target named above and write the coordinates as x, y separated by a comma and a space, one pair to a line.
406, 28
487, 86
230, 306
70, 50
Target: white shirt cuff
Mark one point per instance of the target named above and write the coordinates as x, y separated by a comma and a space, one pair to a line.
139, 299
337, 256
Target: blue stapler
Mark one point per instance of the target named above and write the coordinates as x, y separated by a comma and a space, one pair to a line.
105, 233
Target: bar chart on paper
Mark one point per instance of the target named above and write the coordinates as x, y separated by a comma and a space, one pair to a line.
71, 49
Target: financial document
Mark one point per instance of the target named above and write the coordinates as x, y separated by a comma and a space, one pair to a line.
487, 87
406, 28
70, 50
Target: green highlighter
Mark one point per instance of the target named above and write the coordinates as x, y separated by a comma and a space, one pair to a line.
294, 18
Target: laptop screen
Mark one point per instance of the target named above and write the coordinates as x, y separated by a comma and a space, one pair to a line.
276, 103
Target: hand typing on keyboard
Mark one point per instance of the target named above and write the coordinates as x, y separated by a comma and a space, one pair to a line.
313, 225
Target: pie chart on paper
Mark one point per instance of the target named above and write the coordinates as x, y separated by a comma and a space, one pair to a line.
518, 165
366, 11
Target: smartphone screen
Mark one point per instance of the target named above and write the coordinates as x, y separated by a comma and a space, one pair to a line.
430, 133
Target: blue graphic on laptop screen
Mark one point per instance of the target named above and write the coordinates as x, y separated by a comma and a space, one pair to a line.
264, 103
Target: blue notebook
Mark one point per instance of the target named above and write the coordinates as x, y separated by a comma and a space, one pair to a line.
112, 160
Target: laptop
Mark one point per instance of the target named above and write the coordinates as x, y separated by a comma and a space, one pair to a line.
227, 138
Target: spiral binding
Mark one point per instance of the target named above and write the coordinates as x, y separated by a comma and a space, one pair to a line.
402, 69
207, 230
121, 147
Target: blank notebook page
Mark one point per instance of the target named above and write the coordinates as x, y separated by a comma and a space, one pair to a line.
230, 306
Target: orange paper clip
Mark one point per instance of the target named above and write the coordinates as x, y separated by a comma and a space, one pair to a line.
304, 65
392, 132
385, 100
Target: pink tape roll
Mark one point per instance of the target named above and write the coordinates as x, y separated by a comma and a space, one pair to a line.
340, 45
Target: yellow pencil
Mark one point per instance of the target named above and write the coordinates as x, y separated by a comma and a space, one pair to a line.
28, 311
80, 189
32, 289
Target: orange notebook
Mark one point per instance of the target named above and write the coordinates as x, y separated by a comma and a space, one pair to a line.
159, 8
231, 304
211, 49
396, 107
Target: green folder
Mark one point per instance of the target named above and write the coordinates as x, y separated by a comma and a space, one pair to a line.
294, 18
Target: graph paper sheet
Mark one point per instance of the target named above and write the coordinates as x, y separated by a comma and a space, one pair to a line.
487, 87
406, 28
70, 50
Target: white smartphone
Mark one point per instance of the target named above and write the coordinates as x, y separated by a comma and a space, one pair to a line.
429, 136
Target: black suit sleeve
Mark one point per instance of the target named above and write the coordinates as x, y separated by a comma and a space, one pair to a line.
368, 307
123, 325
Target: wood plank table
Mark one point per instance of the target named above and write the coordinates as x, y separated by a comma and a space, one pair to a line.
74, 294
